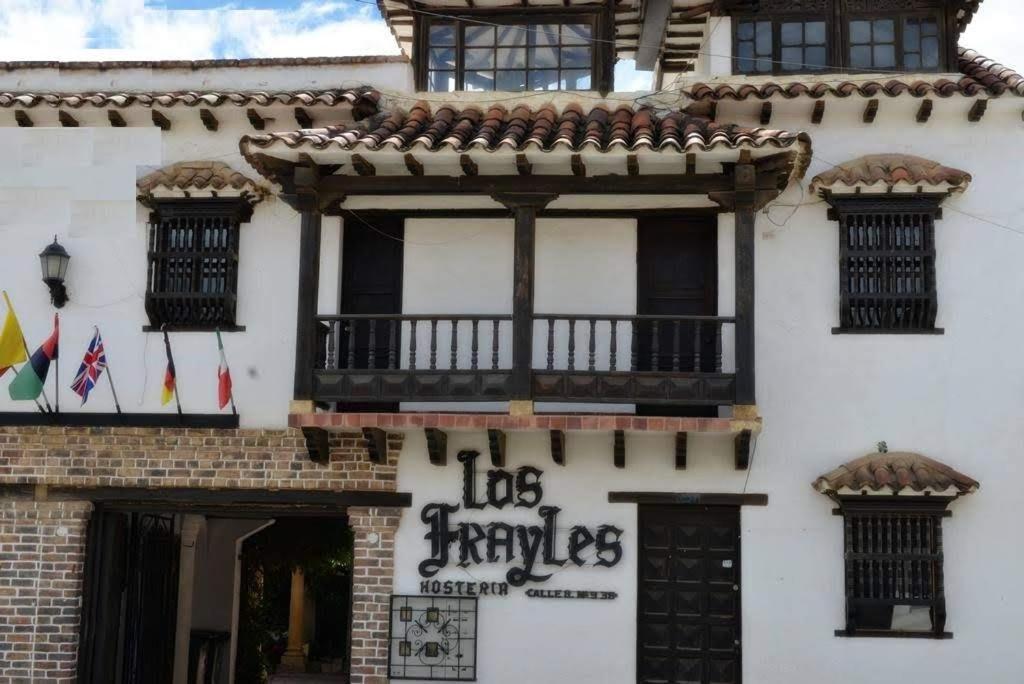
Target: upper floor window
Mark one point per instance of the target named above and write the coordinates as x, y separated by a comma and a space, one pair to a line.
192, 281
765, 47
557, 53
909, 43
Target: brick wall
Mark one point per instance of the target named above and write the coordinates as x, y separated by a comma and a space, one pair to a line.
42, 550
372, 582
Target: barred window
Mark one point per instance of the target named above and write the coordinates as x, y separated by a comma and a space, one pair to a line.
192, 281
887, 263
894, 582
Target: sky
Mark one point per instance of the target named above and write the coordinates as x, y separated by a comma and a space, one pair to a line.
204, 29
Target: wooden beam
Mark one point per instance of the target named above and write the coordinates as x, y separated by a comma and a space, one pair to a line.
310, 221
675, 498
303, 118
257, 121
741, 444
579, 169
23, 119
871, 111
209, 120
414, 165
362, 166
317, 444
680, 451
376, 444
115, 119
691, 164
632, 165
712, 110
977, 111
818, 113
619, 455
924, 112
744, 236
469, 166
437, 446
66, 120
766, 113
161, 121
523, 165
496, 443
558, 447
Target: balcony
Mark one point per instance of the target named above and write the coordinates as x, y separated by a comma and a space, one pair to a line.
655, 361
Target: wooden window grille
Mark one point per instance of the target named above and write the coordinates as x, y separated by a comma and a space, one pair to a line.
887, 263
894, 578
192, 280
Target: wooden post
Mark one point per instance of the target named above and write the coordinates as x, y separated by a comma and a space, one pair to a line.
524, 208
745, 215
294, 659
309, 286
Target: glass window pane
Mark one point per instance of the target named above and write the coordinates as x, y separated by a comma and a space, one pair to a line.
912, 60
543, 34
511, 80
575, 34
791, 33
884, 30
930, 53
543, 80
929, 27
885, 56
510, 58
513, 36
746, 50
860, 56
815, 58
442, 34
911, 34
792, 59
860, 32
764, 37
441, 81
479, 80
576, 79
543, 57
745, 65
441, 58
479, 58
814, 33
479, 35
576, 57
745, 30
763, 65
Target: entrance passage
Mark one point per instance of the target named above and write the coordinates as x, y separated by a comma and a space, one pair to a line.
688, 600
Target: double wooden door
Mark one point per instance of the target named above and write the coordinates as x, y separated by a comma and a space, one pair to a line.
688, 602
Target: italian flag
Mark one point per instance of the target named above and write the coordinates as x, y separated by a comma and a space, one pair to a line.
223, 376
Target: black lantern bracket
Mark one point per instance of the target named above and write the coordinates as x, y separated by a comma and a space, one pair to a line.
54, 262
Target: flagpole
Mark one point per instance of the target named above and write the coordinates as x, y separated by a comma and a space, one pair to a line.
110, 377
170, 358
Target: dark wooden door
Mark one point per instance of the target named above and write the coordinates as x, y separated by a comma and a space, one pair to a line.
105, 561
688, 600
371, 283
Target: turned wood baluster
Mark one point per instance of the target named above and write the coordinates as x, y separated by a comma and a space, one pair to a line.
696, 346
332, 330
352, 343
372, 351
654, 346
718, 347
392, 344
433, 344
592, 347
675, 346
474, 344
634, 345
412, 344
572, 344
455, 345
612, 344
551, 344
494, 344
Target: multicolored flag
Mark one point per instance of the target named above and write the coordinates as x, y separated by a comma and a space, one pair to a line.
28, 385
170, 377
93, 363
223, 376
12, 342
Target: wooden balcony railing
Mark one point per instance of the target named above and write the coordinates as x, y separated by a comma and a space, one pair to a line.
577, 358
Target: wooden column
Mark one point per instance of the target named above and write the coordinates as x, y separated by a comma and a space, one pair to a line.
524, 208
309, 292
294, 659
191, 526
744, 200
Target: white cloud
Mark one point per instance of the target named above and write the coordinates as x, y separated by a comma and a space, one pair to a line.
995, 32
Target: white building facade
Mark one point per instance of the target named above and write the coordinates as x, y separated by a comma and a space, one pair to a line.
675, 386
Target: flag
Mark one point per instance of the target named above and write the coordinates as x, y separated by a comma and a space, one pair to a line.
12, 342
170, 377
93, 363
28, 385
223, 376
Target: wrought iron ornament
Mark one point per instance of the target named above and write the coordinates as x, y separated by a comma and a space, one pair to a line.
433, 638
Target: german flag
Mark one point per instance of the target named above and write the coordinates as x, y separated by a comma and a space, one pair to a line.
170, 389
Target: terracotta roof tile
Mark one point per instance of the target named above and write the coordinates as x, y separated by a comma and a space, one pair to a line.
892, 170
203, 63
895, 473
199, 175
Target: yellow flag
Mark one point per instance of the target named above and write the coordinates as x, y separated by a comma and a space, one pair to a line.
12, 342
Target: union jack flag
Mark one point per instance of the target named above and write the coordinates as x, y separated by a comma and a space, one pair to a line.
92, 366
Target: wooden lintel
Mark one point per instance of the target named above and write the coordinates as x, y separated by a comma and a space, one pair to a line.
209, 120
674, 498
579, 169
632, 165
437, 446
924, 112
766, 113
161, 121
469, 166
303, 118
66, 120
362, 166
558, 447
871, 111
620, 449
523, 165
741, 444
376, 444
257, 121
496, 445
115, 119
23, 119
413, 164
680, 451
977, 111
317, 444
818, 113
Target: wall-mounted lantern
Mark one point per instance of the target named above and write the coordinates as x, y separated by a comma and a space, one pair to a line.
54, 260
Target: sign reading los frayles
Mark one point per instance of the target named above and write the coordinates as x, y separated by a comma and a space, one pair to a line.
525, 546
